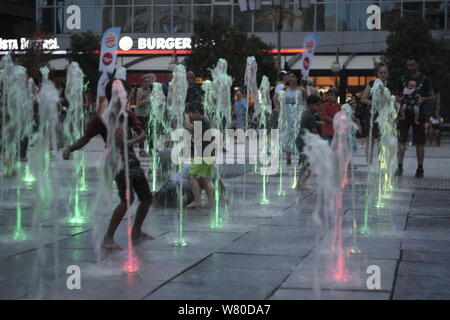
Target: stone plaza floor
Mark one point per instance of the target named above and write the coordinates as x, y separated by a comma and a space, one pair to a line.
261, 251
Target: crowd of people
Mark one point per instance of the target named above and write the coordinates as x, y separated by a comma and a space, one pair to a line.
292, 96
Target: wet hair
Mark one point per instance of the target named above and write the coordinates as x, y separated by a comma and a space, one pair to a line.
194, 107
313, 99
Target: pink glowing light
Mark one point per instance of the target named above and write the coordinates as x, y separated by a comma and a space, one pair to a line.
131, 265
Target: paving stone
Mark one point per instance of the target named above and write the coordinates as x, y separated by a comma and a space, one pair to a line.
304, 294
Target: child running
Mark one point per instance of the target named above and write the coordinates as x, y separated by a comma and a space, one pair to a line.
138, 180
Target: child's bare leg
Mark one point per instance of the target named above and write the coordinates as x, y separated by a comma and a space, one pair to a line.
223, 190
209, 189
118, 213
195, 191
141, 213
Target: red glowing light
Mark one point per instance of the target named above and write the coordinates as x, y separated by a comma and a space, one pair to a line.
185, 52
131, 265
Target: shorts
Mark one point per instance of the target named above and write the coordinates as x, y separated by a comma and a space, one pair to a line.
419, 137
436, 126
375, 130
138, 184
328, 138
203, 169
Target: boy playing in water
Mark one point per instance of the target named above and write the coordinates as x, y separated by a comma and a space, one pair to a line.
138, 181
307, 123
199, 173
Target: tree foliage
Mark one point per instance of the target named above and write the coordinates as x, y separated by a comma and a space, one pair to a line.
214, 40
412, 36
82, 49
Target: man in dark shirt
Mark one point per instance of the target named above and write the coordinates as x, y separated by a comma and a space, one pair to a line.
425, 90
138, 181
194, 92
308, 123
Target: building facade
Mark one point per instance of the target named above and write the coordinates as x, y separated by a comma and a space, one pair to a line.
13, 13
340, 23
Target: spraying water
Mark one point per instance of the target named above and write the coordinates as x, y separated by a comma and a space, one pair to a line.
73, 129
299, 108
341, 155
252, 88
17, 102
320, 158
263, 113
353, 146
281, 99
45, 141
176, 107
8, 147
221, 87
388, 143
158, 126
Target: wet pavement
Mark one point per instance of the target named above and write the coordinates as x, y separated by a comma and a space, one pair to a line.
258, 252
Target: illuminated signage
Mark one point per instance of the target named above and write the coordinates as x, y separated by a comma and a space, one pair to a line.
126, 43
24, 44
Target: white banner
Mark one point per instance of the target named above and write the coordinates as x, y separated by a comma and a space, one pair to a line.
309, 44
108, 53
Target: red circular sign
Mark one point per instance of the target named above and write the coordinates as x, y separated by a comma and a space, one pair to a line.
107, 58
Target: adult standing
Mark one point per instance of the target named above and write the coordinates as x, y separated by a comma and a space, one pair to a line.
329, 110
425, 90
382, 73
143, 105
283, 79
289, 113
194, 92
240, 110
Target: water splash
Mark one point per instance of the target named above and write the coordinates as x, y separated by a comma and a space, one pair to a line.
250, 82
388, 143
353, 147
221, 116
73, 128
158, 125
340, 148
176, 107
263, 113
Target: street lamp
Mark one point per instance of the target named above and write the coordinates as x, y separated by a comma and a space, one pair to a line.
336, 68
280, 11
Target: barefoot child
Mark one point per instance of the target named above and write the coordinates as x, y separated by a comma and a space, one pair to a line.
201, 169
138, 181
307, 123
